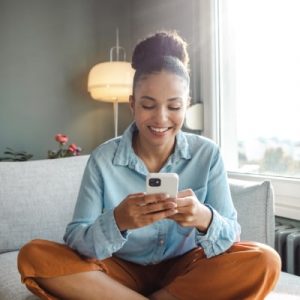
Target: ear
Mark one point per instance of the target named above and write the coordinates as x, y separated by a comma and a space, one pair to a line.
131, 103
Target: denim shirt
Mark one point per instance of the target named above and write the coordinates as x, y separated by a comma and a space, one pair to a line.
115, 171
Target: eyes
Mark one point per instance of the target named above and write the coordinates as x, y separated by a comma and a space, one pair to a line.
172, 106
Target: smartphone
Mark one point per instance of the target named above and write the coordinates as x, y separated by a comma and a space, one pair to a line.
162, 183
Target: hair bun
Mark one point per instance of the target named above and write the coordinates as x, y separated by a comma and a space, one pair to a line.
163, 43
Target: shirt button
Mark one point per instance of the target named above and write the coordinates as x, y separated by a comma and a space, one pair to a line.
161, 242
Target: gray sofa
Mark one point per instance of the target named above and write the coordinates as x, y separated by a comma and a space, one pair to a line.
37, 199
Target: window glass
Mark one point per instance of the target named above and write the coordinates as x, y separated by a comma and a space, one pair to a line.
260, 86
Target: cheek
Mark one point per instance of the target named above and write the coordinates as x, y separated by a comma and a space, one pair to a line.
139, 115
179, 118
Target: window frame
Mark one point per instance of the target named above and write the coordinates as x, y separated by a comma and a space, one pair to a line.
286, 190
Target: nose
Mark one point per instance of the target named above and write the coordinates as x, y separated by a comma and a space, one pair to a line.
161, 114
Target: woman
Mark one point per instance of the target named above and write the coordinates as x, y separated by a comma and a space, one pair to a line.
124, 244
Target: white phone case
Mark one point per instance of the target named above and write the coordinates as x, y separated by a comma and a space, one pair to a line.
162, 183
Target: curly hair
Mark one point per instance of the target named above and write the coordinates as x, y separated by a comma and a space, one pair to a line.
164, 50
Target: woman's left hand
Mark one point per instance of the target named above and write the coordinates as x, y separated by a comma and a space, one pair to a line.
191, 212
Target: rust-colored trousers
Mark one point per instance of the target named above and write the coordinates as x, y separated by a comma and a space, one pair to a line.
246, 271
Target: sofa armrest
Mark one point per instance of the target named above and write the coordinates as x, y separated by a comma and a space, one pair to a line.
254, 204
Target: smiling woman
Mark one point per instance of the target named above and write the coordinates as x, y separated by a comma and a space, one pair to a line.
158, 104
160, 96
124, 243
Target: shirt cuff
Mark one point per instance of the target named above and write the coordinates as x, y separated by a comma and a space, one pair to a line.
207, 240
115, 239
212, 216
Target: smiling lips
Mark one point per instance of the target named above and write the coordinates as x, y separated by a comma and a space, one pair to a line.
159, 130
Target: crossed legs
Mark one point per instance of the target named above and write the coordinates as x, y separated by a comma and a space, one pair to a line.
54, 271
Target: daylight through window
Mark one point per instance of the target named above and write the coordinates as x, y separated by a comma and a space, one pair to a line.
260, 86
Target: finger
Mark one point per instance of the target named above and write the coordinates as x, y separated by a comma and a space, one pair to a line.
185, 193
151, 218
135, 195
137, 198
158, 206
183, 202
184, 210
141, 199
153, 198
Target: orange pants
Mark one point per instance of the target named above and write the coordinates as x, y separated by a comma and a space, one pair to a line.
246, 271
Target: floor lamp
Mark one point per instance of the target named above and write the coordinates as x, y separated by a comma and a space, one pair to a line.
112, 81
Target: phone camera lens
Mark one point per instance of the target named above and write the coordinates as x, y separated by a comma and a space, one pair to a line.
154, 181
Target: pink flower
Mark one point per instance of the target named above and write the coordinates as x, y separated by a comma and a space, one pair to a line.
73, 148
61, 138
64, 150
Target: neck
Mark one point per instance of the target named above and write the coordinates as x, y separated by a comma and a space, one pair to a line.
153, 157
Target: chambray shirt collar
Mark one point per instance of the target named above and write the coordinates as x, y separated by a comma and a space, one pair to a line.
125, 155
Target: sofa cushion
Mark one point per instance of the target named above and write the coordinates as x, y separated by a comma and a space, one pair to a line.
37, 199
10, 280
254, 204
288, 284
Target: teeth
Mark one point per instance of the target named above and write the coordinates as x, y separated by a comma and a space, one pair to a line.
159, 129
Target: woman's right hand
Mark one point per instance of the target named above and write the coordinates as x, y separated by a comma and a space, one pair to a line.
138, 210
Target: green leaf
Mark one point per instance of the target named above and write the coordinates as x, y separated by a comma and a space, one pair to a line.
8, 152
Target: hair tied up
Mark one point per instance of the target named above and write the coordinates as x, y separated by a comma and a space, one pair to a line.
157, 46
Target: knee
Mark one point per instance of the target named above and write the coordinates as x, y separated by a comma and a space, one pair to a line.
268, 261
28, 255
28, 251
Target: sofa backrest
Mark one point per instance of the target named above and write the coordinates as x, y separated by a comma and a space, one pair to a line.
37, 199
254, 203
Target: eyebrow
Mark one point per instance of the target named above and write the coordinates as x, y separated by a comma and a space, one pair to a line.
153, 99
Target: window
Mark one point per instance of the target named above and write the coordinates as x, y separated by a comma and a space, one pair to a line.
260, 86
249, 77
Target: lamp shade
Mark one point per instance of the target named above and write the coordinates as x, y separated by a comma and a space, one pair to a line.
194, 117
111, 81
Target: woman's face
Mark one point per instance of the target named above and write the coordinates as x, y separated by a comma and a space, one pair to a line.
159, 105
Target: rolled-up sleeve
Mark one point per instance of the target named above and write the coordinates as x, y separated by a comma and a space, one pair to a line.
224, 229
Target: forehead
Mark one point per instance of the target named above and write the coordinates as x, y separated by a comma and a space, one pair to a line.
161, 84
